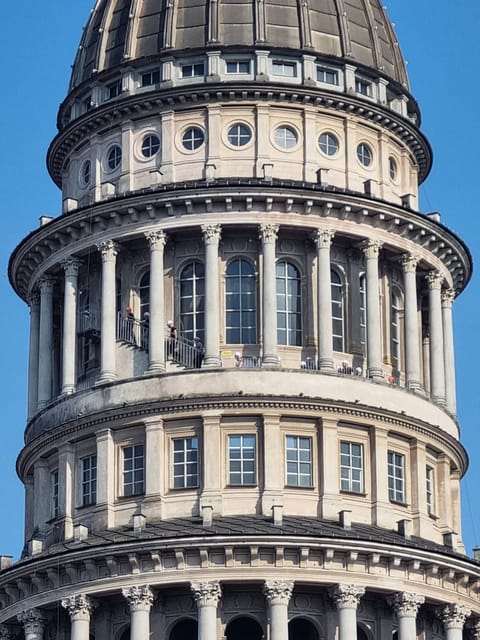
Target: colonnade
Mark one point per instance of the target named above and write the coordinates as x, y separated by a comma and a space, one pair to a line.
440, 356
207, 595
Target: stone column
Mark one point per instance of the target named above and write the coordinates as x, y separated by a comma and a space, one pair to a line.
347, 598
371, 250
66, 470
453, 617
34, 302
268, 235
207, 595
448, 349
33, 622
108, 368
406, 606
278, 594
412, 346
437, 364
426, 364
80, 608
211, 237
140, 600
71, 267
156, 332
324, 300
45, 344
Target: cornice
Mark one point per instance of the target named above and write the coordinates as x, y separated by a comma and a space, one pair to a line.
324, 561
138, 106
239, 203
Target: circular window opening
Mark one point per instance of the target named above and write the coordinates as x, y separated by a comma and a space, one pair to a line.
193, 138
86, 173
114, 157
150, 146
239, 135
328, 144
285, 137
392, 168
364, 154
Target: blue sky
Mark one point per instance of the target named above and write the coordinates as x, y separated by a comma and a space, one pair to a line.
38, 40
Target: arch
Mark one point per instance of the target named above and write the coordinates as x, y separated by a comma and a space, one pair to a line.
302, 629
338, 310
244, 627
289, 304
241, 302
185, 629
192, 300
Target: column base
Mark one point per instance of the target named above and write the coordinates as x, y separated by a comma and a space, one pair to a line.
440, 400
106, 376
68, 390
212, 362
270, 361
414, 385
326, 364
156, 367
376, 374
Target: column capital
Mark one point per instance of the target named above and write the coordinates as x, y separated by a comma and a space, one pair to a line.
371, 248
33, 621
139, 598
434, 280
323, 238
406, 605
79, 607
108, 250
448, 296
71, 266
206, 593
4, 632
211, 233
268, 233
278, 591
473, 626
156, 239
453, 616
410, 262
33, 299
46, 284
347, 596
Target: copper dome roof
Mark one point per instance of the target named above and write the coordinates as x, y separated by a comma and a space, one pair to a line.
121, 31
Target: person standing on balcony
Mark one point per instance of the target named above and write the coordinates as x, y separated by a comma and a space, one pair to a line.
198, 346
129, 322
172, 339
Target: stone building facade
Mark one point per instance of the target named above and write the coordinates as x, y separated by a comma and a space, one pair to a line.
242, 413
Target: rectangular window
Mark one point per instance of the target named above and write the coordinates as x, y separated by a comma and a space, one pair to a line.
430, 490
193, 70
396, 477
351, 467
54, 493
282, 68
185, 463
327, 76
133, 470
238, 66
89, 480
114, 89
299, 461
150, 78
363, 86
242, 460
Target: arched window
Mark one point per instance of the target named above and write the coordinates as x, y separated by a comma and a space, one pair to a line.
301, 629
395, 328
241, 303
192, 300
242, 628
144, 291
338, 327
184, 630
363, 313
289, 304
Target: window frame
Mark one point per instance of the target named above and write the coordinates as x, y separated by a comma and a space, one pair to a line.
195, 66
185, 462
195, 147
242, 459
151, 144
88, 487
351, 468
364, 153
288, 309
279, 65
283, 144
334, 73
238, 62
297, 461
233, 137
340, 285
396, 473
197, 312
141, 489
54, 494
396, 313
328, 143
248, 334
109, 165
155, 78
430, 489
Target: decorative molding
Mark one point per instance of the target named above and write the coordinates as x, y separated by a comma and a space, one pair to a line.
371, 249
79, 607
347, 596
108, 249
410, 262
278, 591
406, 605
454, 616
448, 296
33, 299
46, 285
71, 266
323, 238
434, 280
139, 598
156, 239
211, 233
268, 233
33, 621
206, 593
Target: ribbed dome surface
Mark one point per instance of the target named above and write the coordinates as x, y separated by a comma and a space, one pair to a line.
126, 30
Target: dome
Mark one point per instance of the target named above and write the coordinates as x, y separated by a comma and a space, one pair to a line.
356, 30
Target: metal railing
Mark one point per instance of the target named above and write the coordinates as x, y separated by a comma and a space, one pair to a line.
88, 319
183, 352
132, 331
